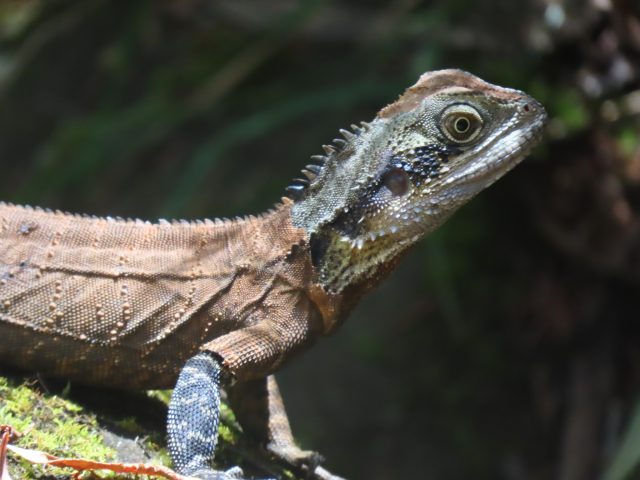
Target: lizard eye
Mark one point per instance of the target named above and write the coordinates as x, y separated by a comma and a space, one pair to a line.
461, 123
397, 181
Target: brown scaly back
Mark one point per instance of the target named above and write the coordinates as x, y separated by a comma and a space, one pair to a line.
136, 297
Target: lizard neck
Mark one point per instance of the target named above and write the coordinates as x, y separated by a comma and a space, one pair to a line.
308, 265
297, 268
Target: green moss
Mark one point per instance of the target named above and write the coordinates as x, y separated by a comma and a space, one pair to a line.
131, 425
163, 395
51, 424
63, 428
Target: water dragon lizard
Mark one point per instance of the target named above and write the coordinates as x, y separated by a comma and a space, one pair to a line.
206, 304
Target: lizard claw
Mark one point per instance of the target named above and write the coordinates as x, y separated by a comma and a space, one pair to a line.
234, 473
322, 474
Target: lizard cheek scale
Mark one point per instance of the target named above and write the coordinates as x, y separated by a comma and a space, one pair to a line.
212, 304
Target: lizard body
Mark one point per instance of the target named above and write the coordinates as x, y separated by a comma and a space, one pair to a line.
124, 303
135, 304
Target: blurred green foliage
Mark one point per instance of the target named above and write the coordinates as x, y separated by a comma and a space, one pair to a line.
627, 456
463, 364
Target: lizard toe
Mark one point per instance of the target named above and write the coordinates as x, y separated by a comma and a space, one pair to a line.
308, 461
295, 456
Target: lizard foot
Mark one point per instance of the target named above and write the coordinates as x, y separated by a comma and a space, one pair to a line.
296, 457
306, 460
234, 473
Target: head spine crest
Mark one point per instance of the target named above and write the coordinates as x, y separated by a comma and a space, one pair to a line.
300, 186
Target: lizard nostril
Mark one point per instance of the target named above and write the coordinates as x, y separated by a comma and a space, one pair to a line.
527, 107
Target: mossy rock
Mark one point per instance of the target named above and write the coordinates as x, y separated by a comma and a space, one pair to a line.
107, 425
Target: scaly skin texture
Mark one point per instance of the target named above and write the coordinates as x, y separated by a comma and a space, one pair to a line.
126, 303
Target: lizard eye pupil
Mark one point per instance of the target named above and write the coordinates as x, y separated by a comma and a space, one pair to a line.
461, 123
397, 181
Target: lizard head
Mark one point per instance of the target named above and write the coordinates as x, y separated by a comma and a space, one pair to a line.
397, 178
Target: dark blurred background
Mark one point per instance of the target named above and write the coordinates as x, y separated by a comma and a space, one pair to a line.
507, 346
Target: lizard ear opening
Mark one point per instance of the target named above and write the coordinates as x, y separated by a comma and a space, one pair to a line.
396, 180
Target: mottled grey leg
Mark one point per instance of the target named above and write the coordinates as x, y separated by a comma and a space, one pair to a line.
194, 416
260, 410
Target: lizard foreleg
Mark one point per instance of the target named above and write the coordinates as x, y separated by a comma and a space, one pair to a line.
260, 410
193, 419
